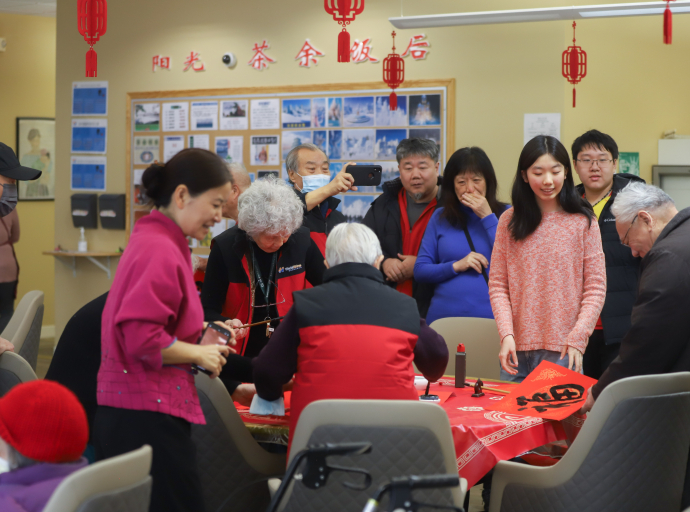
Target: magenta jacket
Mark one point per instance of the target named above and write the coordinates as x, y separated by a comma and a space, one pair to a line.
152, 302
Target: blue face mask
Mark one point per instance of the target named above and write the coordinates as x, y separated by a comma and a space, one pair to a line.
8, 199
312, 182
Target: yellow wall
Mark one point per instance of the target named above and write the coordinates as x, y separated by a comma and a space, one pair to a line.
636, 87
27, 89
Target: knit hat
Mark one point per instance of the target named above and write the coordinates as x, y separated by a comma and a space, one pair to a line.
44, 421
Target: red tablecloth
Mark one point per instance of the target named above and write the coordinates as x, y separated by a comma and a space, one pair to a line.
481, 437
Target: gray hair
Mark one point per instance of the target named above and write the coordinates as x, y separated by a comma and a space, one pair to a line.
16, 460
292, 159
352, 243
239, 175
637, 197
423, 147
269, 206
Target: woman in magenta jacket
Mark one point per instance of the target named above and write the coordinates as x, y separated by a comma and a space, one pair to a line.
151, 322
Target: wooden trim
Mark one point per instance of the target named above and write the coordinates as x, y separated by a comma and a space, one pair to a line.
98, 254
128, 173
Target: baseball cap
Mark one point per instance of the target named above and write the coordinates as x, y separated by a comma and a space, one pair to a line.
11, 168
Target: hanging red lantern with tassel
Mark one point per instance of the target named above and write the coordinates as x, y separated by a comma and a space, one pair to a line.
92, 22
668, 23
574, 64
393, 74
344, 12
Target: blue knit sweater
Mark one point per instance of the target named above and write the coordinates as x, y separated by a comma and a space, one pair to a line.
456, 294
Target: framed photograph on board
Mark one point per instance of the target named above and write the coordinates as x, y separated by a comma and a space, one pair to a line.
36, 149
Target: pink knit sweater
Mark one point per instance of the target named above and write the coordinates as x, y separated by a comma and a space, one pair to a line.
548, 289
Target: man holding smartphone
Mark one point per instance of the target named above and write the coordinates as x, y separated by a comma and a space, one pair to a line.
309, 173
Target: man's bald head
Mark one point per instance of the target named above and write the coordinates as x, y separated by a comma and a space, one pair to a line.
239, 178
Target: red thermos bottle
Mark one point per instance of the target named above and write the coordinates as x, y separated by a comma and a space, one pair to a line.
460, 366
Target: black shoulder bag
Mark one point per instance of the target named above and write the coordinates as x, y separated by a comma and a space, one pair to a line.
469, 241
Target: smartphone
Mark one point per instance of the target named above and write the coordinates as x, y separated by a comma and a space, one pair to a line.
366, 175
214, 334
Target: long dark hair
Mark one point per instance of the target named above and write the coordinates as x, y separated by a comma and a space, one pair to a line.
527, 215
471, 160
198, 169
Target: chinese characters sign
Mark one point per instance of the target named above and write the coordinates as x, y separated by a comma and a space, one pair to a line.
308, 55
159, 61
550, 392
361, 51
260, 60
193, 62
417, 47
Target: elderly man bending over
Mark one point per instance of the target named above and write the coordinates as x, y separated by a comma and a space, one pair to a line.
353, 337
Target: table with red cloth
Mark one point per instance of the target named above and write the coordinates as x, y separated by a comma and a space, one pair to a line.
481, 437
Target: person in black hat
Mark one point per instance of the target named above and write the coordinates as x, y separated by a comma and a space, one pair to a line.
11, 171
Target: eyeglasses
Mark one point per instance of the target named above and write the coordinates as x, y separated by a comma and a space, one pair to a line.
603, 162
628, 231
279, 299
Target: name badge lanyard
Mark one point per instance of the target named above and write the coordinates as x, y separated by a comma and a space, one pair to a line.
265, 287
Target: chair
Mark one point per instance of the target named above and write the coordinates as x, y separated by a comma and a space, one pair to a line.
482, 344
233, 468
119, 484
408, 438
24, 328
13, 370
630, 455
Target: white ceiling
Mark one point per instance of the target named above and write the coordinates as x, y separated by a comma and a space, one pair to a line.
34, 7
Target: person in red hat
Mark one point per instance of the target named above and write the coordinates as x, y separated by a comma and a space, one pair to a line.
43, 433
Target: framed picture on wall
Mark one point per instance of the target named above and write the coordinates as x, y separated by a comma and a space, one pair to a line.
36, 149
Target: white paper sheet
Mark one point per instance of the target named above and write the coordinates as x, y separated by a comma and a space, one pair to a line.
265, 150
265, 114
542, 124
146, 150
175, 117
202, 141
172, 145
230, 148
234, 115
204, 115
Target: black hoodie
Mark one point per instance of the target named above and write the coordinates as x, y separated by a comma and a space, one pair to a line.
621, 268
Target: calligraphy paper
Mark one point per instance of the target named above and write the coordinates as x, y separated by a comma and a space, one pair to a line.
550, 392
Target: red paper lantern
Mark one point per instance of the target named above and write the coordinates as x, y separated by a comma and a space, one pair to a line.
574, 64
92, 22
668, 23
393, 74
344, 12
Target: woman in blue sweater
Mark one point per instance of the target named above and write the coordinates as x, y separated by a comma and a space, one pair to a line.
456, 248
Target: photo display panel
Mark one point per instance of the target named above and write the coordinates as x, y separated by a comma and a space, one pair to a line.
258, 127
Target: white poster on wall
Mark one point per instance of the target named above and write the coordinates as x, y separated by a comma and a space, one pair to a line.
265, 114
265, 150
204, 115
233, 115
230, 148
202, 141
541, 124
176, 117
172, 145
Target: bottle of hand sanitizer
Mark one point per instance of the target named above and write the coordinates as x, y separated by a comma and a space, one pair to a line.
82, 240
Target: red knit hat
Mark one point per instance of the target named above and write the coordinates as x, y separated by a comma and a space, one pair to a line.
44, 421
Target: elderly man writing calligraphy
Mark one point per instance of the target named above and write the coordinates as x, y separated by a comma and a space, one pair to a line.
361, 351
658, 341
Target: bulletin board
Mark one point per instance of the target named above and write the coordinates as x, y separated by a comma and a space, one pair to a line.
258, 126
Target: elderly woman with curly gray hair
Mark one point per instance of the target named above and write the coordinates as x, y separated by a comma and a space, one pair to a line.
254, 268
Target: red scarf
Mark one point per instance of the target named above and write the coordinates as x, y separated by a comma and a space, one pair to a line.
412, 237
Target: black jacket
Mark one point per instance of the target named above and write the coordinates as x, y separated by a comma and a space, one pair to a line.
383, 218
77, 356
622, 268
318, 225
659, 339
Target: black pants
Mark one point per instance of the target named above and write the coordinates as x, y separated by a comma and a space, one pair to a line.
7, 295
176, 483
598, 355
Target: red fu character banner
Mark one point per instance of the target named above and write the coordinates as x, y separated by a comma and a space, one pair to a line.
550, 392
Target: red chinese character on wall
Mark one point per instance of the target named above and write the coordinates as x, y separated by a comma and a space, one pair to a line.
193, 62
361, 52
308, 55
160, 62
416, 48
260, 60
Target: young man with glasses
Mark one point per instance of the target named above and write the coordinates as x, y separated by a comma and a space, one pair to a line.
595, 156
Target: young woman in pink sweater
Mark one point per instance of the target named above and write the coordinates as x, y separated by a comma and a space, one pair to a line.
548, 278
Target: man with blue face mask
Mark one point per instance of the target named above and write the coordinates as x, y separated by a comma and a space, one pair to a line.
308, 171
10, 172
